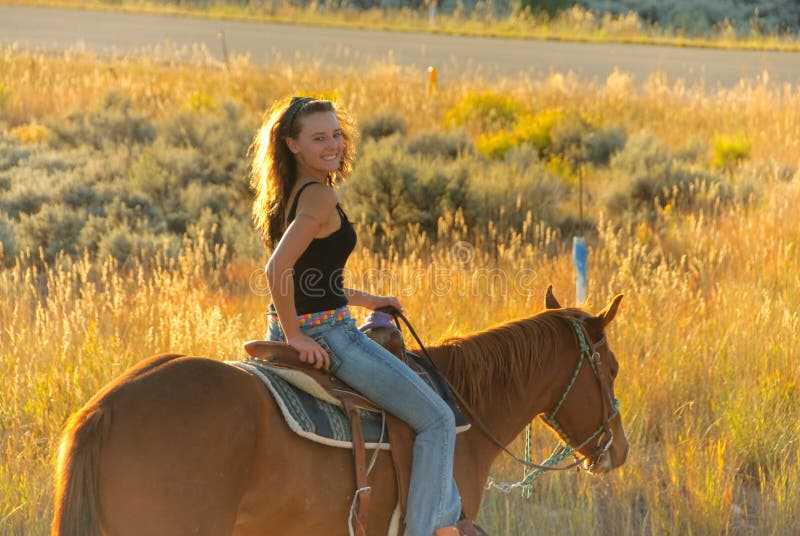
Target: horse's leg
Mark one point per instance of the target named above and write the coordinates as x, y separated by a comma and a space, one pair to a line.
473, 458
176, 456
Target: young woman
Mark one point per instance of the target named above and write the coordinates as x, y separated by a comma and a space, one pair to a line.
300, 148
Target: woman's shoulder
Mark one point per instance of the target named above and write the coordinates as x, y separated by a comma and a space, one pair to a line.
316, 197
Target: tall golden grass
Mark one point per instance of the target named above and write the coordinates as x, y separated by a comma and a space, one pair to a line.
706, 337
37, 85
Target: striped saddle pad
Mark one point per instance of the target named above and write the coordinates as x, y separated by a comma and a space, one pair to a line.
325, 422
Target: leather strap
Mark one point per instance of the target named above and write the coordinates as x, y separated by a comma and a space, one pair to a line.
402, 438
359, 453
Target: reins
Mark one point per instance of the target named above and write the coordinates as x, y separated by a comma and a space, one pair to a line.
562, 451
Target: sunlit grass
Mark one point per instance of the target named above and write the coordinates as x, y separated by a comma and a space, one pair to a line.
162, 80
708, 379
705, 336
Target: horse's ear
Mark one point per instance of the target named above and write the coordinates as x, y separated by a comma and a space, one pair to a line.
607, 314
550, 301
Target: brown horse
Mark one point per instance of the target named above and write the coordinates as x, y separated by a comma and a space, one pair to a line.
188, 445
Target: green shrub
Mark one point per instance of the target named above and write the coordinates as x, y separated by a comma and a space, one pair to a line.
92, 232
567, 136
504, 192
381, 183
155, 184
604, 143
219, 199
119, 243
578, 141
241, 241
211, 148
106, 168
8, 241
427, 197
551, 7
207, 225
642, 153
484, 112
383, 124
85, 196
11, 155
434, 143
391, 189
54, 229
115, 123
126, 244
707, 17
22, 201
188, 177
178, 221
647, 177
729, 151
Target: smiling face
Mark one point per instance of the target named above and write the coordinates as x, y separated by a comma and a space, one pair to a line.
319, 145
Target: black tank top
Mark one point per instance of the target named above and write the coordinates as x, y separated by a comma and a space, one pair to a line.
318, 279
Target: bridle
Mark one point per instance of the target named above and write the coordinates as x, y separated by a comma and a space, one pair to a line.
589, 351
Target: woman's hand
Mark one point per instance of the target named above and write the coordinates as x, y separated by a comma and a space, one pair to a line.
378, 302
310, 351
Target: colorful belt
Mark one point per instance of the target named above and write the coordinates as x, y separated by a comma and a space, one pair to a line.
331, 317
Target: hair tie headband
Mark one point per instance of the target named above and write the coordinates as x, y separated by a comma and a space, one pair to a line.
294, 107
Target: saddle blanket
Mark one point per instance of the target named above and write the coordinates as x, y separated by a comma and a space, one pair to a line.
327, 423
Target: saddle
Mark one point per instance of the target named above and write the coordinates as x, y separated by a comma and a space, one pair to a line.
327, 387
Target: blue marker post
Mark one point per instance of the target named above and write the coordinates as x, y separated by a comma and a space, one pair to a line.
579, 257
579, 251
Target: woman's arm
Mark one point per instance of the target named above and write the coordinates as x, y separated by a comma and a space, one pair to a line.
313, 212
359, 298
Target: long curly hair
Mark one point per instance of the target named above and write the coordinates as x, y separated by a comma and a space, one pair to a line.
273, 169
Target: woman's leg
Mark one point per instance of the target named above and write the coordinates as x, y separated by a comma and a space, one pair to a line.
433, 499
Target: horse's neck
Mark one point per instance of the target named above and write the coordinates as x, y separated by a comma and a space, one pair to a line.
504, 409
507, 404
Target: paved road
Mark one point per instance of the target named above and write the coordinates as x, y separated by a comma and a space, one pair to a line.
107, 32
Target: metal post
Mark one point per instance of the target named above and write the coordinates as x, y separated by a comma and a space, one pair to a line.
221, 36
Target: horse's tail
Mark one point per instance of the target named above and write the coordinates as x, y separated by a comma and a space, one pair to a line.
77, 493
77, 497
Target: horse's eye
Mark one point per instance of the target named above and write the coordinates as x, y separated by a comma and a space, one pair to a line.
614, 368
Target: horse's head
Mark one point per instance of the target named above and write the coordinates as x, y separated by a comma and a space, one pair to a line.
586, 415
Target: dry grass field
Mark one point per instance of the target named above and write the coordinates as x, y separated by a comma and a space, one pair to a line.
709, 379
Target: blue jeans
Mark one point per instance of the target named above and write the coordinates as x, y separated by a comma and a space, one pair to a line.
433, 499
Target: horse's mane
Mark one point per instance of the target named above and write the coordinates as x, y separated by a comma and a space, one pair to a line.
505, 354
